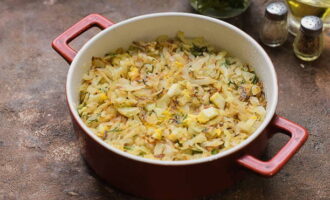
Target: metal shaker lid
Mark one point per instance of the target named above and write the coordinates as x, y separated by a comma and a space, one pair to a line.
311, 25
276, 11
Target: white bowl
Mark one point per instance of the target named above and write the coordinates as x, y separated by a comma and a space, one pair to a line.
147, 27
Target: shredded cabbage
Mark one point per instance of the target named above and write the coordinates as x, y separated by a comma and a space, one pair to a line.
171, 99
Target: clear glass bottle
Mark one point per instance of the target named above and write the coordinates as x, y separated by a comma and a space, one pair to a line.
300, 8
274, 29
308, 44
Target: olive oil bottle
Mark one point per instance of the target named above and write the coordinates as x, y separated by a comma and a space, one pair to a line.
301, 8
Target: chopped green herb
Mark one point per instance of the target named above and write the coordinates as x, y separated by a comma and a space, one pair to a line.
83, 115
142, 153
178, 142
196, 151
214, 151
103, 90
234, 84
255, 79
116, 129
227, 62
179, 118
92, 120
111, 54
225, 65
128, 148
184, 117
198, 51
149, 68
245, 68
81, 105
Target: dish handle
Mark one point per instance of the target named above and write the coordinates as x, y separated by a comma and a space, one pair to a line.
61, 43
298, 136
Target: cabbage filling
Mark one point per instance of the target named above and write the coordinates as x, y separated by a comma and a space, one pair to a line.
171, 99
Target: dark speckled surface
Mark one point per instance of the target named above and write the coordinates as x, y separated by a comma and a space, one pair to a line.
39, 156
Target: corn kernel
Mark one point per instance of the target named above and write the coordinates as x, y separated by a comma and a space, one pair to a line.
133, 73
255, 89
167, 113
103, 97
172, 137
82, 110
217, 132
100, 134
178, 64
254, 117
186, 93
189, 120
158, 134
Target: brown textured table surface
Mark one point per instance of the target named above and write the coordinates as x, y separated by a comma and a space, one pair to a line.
39, 156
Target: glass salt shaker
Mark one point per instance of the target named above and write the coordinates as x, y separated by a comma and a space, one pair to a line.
308, 44
274, 30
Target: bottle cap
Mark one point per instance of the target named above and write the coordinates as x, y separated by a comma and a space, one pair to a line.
311, 25
276, 11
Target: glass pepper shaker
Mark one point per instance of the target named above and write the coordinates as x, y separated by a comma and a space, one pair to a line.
308, 43
274, 29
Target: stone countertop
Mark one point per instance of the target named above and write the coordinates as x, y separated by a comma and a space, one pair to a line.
39, 156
